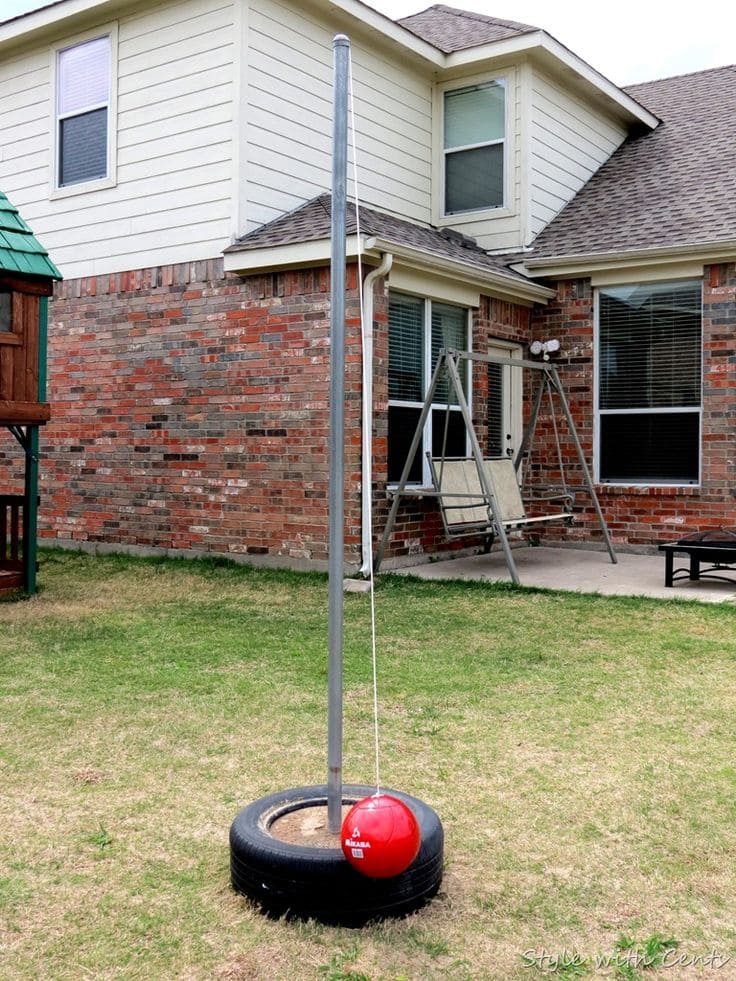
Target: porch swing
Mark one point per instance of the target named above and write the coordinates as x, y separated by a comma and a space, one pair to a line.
480, 496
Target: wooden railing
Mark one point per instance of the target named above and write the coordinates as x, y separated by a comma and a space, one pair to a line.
11, 524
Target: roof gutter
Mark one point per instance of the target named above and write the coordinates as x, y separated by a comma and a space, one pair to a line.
247, 262
506, 287
580, 264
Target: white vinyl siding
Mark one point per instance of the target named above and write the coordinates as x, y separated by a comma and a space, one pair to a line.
172, 201
289, 113
570, 141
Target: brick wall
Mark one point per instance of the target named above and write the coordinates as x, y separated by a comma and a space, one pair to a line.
640, 515
190, 412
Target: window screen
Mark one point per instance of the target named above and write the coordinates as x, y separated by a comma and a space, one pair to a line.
474, 127
649, 382
83, 96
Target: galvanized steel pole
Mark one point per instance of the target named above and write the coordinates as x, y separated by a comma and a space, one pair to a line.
341, 55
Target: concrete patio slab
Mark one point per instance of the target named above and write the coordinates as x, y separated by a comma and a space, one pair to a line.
581, 571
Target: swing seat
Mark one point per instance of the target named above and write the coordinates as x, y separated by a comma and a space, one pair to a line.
465, 508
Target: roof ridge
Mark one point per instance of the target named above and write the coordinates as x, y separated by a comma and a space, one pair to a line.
484, 18
471, 15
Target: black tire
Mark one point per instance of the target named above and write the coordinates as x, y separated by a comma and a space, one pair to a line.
304, 882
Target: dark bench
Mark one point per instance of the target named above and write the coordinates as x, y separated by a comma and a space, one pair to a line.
715, 547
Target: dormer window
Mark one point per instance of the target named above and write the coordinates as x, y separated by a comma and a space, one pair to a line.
473, 149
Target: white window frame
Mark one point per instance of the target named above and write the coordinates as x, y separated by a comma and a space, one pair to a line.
110, 179
427, 371
507, 79
512, 383
598, 412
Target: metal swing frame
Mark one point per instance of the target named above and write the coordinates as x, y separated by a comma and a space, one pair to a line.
549, 381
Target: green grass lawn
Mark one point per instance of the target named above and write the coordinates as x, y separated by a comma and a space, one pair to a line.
579, 750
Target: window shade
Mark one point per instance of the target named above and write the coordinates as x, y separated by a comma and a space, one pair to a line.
650, 346
474, 115
496, 441
449, 330
84, 76
406, 348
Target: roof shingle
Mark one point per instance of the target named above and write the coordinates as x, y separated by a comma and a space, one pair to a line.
673, 186
312, 221
454, 30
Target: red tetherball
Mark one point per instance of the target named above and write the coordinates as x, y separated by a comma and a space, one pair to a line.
380, 836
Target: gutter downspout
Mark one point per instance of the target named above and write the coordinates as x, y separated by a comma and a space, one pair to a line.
367, 441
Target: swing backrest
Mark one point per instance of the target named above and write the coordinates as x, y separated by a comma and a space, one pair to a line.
461, 496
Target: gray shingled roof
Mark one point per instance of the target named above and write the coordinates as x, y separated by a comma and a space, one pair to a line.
454, 30
673, 186
312, 222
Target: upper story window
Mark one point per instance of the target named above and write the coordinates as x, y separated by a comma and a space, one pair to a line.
474, 130
84, 96
418, 329
649, 389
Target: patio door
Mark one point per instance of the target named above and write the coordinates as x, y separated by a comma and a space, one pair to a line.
504, 409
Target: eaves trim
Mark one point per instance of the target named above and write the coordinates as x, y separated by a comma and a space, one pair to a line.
299, 255
583, 264
542, 41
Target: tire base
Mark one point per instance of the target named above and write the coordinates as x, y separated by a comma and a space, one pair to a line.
303, 882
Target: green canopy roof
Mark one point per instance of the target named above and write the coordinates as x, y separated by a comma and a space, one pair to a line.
20, 250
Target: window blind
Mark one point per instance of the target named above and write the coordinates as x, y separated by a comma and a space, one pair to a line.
650, 382
650, 346
84, 76
474, 115
406, 348
496, 441
449, 330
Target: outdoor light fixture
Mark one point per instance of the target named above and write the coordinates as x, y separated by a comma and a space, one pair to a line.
545, 348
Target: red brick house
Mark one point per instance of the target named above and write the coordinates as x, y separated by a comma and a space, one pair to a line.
175, 162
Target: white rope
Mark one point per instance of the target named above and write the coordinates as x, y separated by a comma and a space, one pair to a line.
366, 369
